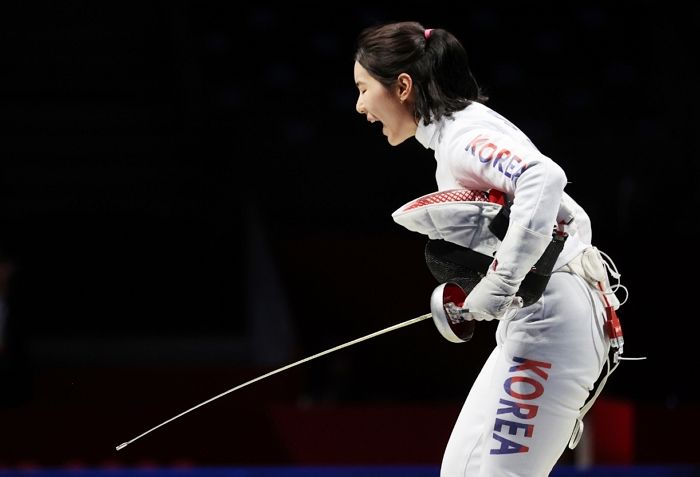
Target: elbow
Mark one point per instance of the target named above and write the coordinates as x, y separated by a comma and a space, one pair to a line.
558, 177
547, 173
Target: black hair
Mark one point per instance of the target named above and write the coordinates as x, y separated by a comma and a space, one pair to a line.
436, 61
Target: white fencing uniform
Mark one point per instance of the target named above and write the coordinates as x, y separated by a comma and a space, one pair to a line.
521, 410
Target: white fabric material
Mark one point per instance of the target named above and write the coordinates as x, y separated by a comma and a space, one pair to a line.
464, 223
590, 266
488, 301
494, 296
521, 410
520, 250
479, 149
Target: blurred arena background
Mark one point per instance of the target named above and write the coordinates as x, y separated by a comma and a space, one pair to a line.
189, 200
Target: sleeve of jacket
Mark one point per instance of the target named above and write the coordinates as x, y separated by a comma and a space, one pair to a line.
534, 183
536, 198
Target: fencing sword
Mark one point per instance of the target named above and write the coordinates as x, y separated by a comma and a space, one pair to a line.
283, 368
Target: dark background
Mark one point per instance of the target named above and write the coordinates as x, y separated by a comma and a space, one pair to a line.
190, 200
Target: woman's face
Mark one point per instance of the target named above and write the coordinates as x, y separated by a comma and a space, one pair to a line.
389, 106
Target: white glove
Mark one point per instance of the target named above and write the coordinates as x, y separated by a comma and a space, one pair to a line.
488, 301
494, 296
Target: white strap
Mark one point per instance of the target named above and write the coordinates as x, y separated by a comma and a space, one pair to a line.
578, 427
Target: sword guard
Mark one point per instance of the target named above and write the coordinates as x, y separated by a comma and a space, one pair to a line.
446, 304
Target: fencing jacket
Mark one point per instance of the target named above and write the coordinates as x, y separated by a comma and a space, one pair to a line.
479, 149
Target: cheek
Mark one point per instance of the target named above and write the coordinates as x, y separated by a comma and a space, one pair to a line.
400, 116
391, 108
376, 103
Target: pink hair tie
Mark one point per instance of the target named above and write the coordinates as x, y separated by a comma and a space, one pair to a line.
427, 33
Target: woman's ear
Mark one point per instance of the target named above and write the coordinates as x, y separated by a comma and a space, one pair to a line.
404, 86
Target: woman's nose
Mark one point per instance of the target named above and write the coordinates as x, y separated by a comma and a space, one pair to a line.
359, 106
